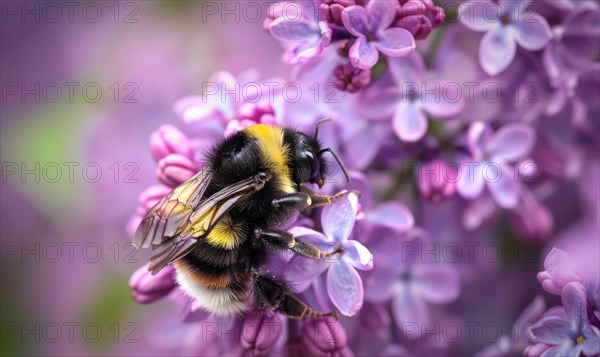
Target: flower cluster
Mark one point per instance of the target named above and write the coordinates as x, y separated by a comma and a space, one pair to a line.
482, 139
360, 30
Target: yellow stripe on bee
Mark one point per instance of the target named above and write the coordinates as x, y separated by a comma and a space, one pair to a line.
226, 234
274, 152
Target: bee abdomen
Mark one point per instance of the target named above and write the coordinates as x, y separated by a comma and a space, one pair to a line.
224, 292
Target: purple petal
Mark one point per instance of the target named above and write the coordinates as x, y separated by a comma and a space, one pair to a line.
302, 272
358, 255
552, 331
306, 51
532, 32
393, 215
470, 182
437, 283
409, 122
345, 288
361, 184
591, 341
530, 315
260, 331
514, 7
381, 14
480, 15
379, 284
407, 71
479, 211
496, 51
194, 109
565, 349
338, 218
396, 42
502, 184
363, 54
442, 99
356, 20
513, 142
410, 312
285, 30
194, 312
381, 103
478, 136
147, 288
573, 300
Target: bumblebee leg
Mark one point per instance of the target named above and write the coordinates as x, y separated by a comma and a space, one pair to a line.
274, 292
281, 239
296, 201
324, 200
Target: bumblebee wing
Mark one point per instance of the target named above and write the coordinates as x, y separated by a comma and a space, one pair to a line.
171, 213
200, 220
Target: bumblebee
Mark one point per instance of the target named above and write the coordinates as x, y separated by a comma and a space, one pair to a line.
216, 228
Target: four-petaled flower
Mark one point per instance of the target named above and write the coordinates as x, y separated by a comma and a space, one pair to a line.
413, 97
506, 24
371, 26
297, 24
490, 155
568, 332
344, 285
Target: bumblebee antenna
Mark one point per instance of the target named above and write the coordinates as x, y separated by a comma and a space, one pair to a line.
339, 161
324, 120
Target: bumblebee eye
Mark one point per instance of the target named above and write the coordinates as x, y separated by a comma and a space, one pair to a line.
314, 166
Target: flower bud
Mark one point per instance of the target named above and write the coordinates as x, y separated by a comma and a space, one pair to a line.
261, 331
351, 79
419, 17
261, 112
533, 223
175, 169
560, 270
325, 337
331, 10
169, 140
148, 198
147, 288
436, 180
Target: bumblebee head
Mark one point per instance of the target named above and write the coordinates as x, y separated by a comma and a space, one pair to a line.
309, 164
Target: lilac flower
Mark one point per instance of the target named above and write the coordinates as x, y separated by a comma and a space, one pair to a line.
331, 10
260, 331
560, 269
570, 334
175, 169
436, 180
147, 288
169, 140
569, 55
507, 345
506, 24
491, 154
404, 275
532, 223
228, 99
344, 285
413, 97
350, 78
371, 26
325, 337
306, 35
419, 17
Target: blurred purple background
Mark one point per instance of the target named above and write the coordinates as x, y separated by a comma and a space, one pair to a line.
143, 56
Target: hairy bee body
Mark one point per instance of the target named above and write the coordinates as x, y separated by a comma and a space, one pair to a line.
217, 228
217, 272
